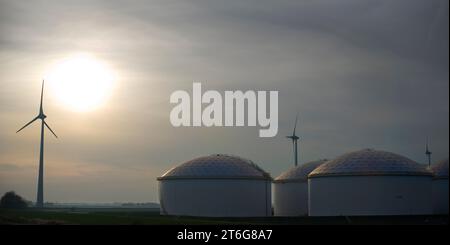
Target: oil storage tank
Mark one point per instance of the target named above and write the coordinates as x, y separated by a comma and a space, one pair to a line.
440, 187
370, 182
216, 186
290, 190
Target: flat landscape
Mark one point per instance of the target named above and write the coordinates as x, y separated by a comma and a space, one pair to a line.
133, 216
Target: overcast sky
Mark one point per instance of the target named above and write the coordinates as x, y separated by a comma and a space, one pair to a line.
361, 74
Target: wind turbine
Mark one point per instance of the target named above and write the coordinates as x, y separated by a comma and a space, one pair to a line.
428, 153
294, 138
42, 116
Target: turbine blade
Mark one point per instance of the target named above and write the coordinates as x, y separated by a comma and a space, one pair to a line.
295, 125
50, 129
42, 96
28, 124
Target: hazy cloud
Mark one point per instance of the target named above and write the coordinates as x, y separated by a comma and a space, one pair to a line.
360, 73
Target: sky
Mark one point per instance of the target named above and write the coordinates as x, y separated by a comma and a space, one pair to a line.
360, 73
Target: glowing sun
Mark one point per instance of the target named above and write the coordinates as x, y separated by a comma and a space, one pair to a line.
81, 82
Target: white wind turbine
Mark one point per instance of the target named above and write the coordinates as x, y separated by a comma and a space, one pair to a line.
294, 138
42, 116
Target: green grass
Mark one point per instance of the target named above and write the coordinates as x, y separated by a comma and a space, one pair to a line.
94, 217
122, 216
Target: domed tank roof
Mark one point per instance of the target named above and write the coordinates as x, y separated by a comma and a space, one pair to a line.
299, 173
370, 162
217, 166
440, 169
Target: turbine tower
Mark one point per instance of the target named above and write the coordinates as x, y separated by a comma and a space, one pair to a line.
428, 153
294, 138
42, 116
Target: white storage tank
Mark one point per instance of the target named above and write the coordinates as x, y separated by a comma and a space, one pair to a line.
290, 190
216, 186
440, 187
370, 182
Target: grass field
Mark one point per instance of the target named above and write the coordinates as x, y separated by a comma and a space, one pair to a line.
123, 216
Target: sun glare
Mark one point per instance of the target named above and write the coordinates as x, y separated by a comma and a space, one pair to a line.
81, 82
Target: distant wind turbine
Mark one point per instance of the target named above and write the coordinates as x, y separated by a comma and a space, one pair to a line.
294, 138
428, 153
42, 116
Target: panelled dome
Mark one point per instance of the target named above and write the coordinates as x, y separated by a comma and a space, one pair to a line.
299, 173
216, 166
440, 169
370, 162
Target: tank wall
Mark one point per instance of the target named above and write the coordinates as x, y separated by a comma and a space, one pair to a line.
440, 196
370, 195
290, 199
216, 197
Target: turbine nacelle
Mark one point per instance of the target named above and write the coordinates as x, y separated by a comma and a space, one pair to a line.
293, 137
